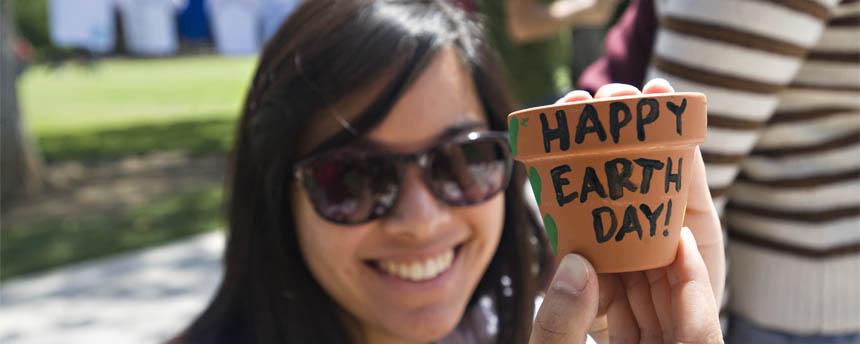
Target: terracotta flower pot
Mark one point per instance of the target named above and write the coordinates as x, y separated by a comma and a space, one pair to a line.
611, 176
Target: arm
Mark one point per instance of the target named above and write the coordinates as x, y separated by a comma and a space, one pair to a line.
736, 52
529, 20
741, 54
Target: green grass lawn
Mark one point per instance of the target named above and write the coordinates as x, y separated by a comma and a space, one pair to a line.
118, 92
44, 244
121, 108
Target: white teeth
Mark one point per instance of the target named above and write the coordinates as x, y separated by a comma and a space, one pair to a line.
429, 268
416, 271
419, 270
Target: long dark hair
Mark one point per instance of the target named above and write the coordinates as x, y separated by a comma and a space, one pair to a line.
325, 52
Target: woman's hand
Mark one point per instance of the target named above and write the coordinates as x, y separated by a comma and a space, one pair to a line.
673, 304
700, 216
677, 303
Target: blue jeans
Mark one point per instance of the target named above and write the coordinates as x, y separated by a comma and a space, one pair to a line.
743, 332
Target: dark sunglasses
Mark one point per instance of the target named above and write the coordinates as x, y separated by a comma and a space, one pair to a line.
357, 187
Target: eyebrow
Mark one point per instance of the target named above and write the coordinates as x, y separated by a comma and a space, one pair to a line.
452, 131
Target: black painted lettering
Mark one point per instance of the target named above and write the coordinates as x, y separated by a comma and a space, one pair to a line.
678, 111
629, 224
668, 212
590, 183
673, 177
614, 124
599, 233
653, 114
589, 114
558, 182
618, 181
561, 133
648, 167
652, 216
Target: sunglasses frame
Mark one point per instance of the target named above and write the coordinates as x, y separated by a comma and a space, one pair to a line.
422, 159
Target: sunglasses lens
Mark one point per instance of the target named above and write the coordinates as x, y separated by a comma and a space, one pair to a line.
352, 190
471, 172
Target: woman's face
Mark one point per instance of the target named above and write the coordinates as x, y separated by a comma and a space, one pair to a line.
368, 269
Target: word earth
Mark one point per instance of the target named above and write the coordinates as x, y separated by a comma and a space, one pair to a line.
618, 172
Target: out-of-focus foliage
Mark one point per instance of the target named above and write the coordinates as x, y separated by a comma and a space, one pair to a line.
31, 19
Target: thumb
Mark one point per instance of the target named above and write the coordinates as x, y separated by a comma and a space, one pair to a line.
570, 305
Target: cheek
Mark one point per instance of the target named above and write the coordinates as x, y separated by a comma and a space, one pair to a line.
328, 249
487, 220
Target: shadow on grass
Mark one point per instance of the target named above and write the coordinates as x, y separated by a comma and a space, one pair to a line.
40, 245
189, 136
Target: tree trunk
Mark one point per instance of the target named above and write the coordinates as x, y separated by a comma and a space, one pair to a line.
20, 165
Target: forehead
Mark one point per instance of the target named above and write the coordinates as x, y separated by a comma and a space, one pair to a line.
443, 96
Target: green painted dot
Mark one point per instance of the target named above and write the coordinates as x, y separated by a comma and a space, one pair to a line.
551, 232
513, 132
534, 180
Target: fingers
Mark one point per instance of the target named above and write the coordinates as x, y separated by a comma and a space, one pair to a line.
638, 292
574, 96
671, 304
661, 296
694, 310
622, 324
570, 304
701, 216
616, 90
609, 289
600, 329
630, 312
657, 86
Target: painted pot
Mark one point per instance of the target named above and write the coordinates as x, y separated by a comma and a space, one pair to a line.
611, 176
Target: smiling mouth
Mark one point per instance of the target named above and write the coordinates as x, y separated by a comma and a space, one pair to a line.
418, 270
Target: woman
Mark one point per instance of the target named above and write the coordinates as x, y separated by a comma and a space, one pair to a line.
372, 194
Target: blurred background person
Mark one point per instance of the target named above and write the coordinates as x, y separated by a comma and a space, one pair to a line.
627, 49
21, 166
782, 150
533, 38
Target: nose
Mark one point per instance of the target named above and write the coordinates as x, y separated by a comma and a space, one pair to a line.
418, 214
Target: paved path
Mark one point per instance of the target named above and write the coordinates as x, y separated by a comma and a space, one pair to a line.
144, 296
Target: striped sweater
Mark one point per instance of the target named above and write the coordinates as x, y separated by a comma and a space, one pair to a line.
783, 149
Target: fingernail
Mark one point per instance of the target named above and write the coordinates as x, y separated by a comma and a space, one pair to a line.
687, 235
665, 82
572, 276
571, 97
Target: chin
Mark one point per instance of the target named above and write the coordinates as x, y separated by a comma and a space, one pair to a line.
427, 324
429, 331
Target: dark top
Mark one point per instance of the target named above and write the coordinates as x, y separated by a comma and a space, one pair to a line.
627, 50
537, 71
